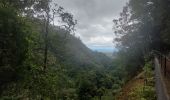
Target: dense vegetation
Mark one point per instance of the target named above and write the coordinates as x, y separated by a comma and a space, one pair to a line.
41, 60
141, 87
143, 27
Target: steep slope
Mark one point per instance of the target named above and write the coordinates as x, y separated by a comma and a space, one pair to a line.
131, 86
70, 50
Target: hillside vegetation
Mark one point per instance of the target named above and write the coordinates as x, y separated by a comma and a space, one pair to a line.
68, 70
141, 87
42, 59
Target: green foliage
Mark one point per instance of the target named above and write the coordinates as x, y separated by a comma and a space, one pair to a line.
148, 69
140, 93
74, 71
21, 58
13, 44
93, 85
143, 26
145, 91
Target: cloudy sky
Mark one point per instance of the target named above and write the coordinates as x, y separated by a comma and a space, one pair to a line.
94, 20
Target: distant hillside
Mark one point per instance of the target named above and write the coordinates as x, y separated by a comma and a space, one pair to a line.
109, 54
70, 49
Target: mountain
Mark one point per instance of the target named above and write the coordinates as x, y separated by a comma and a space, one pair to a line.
71, 50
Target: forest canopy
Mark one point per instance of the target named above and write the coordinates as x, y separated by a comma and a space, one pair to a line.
42, 59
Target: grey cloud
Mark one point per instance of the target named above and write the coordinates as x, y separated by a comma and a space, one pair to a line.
94, 18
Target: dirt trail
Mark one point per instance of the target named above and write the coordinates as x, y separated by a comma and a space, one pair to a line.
130, 86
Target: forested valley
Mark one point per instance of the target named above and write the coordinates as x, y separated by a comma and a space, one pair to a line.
42, 60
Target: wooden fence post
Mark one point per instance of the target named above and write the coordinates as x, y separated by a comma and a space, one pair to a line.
161, 61
165, 66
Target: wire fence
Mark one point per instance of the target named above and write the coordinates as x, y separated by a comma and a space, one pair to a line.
161, 89
164, 62
162, 75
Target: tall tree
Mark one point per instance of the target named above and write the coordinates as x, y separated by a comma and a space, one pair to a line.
52, 13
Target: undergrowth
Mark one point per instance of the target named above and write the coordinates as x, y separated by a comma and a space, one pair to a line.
145, 91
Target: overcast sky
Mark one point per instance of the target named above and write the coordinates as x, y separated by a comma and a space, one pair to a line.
94, 20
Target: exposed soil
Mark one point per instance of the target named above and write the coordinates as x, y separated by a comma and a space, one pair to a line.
130, 86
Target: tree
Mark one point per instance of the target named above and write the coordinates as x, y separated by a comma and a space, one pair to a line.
141, 29
13, 43
66, 17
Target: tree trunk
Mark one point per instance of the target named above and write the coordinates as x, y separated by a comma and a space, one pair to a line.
100, 97
46, 41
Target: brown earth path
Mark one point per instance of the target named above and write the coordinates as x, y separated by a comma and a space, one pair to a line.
130, 86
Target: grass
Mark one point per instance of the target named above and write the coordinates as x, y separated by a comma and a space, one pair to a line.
142, 87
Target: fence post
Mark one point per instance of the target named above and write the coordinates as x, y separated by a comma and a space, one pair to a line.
161, 61
165, 67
